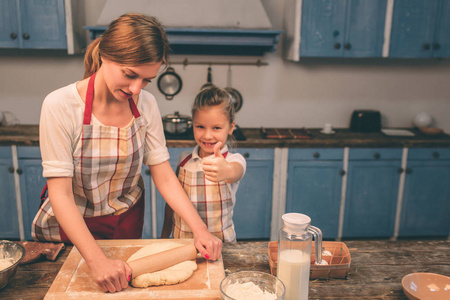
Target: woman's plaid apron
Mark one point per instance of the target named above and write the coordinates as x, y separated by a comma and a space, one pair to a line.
212, 200
107, 185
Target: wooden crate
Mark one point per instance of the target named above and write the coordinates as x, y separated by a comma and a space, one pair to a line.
338, 263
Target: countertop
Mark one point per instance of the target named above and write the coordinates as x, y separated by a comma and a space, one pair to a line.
377, 268
28, 135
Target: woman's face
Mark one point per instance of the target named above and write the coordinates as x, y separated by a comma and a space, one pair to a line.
211, 125
125, 81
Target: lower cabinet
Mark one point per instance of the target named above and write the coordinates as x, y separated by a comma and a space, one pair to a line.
426, 201
314, 186
372, 192
9, 221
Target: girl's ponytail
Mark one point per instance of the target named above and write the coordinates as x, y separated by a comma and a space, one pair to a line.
92, 61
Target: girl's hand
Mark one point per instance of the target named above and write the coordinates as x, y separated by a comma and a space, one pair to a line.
216, 168
111, 275
208, 245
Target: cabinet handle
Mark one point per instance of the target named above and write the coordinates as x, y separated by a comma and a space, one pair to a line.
147, 172
342, 172
400, 170
436, 46
376, 155
316, 155
435, 154
11, 169
13, 35
246, 155
26, 36
337, 46
408, 171
347, 46
19, 171
426, 46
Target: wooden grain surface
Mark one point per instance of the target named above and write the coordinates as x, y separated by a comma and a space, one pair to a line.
375, 273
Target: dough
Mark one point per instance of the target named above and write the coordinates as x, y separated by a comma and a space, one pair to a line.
172, 275
6, 263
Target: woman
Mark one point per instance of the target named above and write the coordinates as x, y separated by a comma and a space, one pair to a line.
95, 134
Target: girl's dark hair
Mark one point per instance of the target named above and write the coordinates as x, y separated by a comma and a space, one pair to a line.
132, 39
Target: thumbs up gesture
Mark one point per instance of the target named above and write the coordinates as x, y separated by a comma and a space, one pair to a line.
216, 167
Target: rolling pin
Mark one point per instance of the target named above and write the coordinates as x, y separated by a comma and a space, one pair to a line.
162, 260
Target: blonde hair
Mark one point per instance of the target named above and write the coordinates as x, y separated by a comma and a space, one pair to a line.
131, 39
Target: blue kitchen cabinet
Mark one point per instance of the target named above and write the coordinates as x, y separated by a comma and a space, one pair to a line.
314, 186
253, 209
31, 184
32, 24
420, 29
372, 192
342, 28
426, 201
9, 222
147, 230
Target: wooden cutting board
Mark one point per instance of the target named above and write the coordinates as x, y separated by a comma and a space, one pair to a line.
74, 282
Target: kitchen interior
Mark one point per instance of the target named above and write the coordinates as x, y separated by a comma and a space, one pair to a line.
355, 136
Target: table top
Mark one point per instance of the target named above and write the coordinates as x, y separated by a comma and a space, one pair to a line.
376, 271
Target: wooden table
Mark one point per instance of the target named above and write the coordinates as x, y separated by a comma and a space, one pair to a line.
376, 271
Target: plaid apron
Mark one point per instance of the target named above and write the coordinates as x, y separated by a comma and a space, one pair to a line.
212, 200
107, 185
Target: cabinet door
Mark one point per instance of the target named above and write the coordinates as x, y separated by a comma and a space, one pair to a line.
9, 222
314, 187
31, 184
364, 32
43, 24
412, 28
253, 209
426, 201
9, 24
441, 43
322, 28
372, 192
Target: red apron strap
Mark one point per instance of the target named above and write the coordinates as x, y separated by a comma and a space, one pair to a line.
44, 194
133, 107
89, 99
184, 161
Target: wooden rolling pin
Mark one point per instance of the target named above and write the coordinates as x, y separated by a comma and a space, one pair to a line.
162, 260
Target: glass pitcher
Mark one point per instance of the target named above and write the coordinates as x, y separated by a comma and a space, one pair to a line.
294, 254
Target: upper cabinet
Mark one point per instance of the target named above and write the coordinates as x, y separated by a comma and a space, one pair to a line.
420, 29
32, 24
335, 28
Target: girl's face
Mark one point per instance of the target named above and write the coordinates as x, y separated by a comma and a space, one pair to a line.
211, 125
125, 81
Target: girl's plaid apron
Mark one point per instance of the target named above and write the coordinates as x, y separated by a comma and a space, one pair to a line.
107, 185
212, 200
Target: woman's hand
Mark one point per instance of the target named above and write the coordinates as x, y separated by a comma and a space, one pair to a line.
110, 275
208, 245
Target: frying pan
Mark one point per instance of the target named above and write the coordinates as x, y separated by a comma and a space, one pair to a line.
236, 97
169, 83
208, 80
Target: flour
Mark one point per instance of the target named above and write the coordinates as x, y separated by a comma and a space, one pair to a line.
6, 263
248, 291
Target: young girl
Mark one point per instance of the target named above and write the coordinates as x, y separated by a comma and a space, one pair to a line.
209, 174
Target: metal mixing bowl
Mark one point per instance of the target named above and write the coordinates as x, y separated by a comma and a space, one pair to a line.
265, 282
13, 251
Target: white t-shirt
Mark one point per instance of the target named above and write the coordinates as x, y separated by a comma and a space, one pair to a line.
62, 120
195, 165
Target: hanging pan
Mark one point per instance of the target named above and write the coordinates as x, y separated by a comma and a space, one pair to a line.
208, 80
169, 83
236, 97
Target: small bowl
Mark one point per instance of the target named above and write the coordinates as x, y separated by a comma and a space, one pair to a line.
423, 286
14, 252
265, 281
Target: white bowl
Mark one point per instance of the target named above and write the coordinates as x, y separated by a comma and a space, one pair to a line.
426, 286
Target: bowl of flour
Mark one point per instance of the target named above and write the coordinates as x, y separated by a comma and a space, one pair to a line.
10, 256
252, 285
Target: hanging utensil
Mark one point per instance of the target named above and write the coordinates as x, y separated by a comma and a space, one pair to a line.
169, 83
236, 97
208, 80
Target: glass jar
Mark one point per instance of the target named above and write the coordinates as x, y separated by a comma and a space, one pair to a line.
294, 254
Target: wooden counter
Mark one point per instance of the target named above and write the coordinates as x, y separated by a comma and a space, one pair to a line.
376, 271
28, 135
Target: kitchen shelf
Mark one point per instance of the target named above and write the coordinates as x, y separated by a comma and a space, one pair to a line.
214, 41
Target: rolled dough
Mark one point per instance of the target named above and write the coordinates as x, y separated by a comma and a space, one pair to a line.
172, 275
